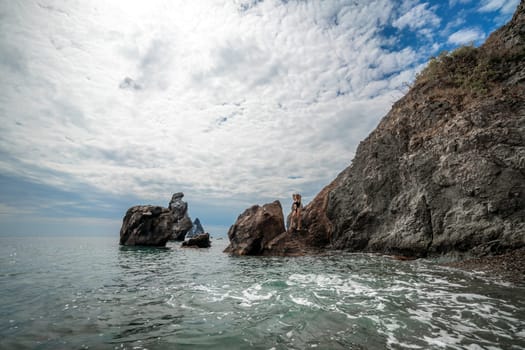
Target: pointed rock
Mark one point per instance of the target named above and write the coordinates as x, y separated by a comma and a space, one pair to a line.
181, 221
197, 229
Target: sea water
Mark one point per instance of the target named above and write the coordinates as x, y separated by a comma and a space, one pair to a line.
80, 293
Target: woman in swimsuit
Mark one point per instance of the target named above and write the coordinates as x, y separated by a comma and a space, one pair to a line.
296, 212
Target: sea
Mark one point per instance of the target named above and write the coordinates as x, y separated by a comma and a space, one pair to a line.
91, 293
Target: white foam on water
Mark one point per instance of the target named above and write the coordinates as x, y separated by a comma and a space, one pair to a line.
249, 296
391, 326
443, 282
320, 296
342, 286
470, 297
284, 324
445, 339
391, 340
421, 315
303, 301
253, 294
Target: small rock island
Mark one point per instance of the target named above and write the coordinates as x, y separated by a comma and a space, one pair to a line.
149, 225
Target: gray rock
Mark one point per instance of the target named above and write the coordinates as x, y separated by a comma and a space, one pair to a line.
146, 225
154, 225
254, 228
442, 172
196, 229
181, 220
201, 240
178, 207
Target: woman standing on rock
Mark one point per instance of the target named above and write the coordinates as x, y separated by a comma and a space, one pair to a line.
295, 224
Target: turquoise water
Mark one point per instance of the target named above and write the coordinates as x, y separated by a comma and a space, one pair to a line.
79, 293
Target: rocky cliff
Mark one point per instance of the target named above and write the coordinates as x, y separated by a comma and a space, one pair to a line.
445, 168
444, 171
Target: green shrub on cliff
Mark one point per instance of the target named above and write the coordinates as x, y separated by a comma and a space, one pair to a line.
467, 68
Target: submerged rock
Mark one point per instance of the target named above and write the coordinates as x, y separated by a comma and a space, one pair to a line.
181, 220
196, 229
146, 225
255, 228
201, 240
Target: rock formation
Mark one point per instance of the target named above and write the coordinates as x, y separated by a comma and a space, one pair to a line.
196, 229
154, 225
181, 220
444, 171
255, 228
146, 225
202, 240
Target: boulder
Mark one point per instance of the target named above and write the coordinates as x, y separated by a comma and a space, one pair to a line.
199, 241
254, 228
196, 229
146, 225
181, 220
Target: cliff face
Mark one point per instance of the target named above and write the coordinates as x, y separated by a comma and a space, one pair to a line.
444, 171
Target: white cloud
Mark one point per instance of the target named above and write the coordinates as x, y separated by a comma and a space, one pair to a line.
419, 16
466, 36
509, 7
505, 6
491, 5
222, 100
453, 3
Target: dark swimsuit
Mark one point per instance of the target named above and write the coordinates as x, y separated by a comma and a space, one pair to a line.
297, 205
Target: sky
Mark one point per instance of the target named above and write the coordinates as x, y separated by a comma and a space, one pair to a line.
106, 104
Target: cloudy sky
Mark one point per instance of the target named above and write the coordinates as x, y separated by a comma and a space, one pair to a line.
105, 104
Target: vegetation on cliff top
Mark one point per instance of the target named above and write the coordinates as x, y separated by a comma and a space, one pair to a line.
469, 70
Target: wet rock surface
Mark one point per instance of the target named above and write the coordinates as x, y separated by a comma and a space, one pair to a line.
201, 240
508, 266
